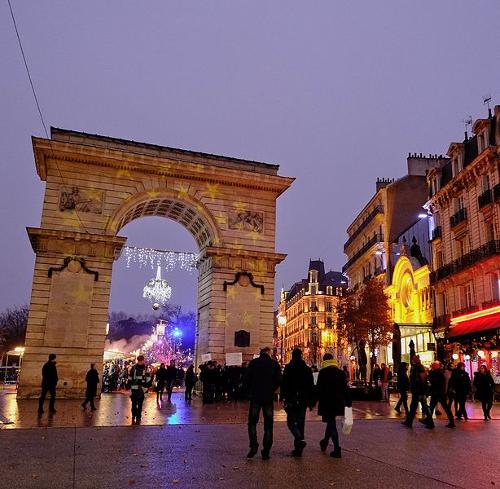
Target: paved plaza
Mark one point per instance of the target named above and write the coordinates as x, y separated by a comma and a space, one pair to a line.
205, 446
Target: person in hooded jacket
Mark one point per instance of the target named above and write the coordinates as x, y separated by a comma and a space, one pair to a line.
297, 394
485, 388
333, 397
437, 382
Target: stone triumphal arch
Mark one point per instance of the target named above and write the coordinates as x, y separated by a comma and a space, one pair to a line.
95, 185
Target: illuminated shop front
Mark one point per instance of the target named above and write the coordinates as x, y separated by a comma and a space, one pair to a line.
474, 339
411, 310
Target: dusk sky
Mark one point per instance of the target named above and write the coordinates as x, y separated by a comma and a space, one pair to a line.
335, 92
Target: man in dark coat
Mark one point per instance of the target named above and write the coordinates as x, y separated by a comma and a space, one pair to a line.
139, 382
92, 379
460, 385
485, 388
263, 377
419, 390
49, 383
437, 383
333, 397
161, 378
170, 378
403, 388
297, 394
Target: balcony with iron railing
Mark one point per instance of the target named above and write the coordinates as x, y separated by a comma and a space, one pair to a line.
378, 210
458, 217
492, 248
436, 233
485, 198
465, 310
378, 238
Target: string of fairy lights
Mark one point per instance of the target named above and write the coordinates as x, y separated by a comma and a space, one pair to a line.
166, 259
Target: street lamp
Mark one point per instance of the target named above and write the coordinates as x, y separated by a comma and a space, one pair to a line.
282, 324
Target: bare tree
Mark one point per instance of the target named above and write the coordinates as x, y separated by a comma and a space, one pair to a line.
13, 322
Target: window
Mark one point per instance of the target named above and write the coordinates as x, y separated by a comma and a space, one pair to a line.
495, 286
329, 321
313, 320
439, 259
329, 289
328, 306
459, 203
314, 307
486, 182
460, 247
466, 296
489, 231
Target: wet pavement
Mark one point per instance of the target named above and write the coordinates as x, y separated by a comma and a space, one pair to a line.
379, 453
114, 410
196, 446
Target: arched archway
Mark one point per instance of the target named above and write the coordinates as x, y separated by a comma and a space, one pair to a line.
94, 186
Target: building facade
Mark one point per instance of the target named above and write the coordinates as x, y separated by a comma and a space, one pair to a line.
396, 206
465, 237
307, 316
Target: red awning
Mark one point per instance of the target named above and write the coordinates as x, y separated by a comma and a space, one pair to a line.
476, 325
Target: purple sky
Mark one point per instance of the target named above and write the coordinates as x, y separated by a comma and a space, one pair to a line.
336, 92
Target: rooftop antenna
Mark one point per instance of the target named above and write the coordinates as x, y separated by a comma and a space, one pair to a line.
486, 101
467, 122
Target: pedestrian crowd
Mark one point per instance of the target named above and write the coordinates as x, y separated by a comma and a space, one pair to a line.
301, 388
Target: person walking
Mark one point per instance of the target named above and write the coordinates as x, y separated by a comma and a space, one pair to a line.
403, 388
161, 378
419, 391
170, 378
333, 397
263, 377
485, 388
460, 384
437, 381
297, 394
139, 381
385, 377
190, 381
92, 379
49, 383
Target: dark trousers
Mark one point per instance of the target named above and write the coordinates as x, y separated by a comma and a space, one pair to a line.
332, 433
253, 418
170, 388
442, 400
415, 399
137, 406
486, 405
159, 392
89, 398
461, 412
403, 401
43, 395
188, 395
296, 420
208, 393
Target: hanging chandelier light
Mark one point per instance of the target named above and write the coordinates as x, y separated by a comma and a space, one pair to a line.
157, 290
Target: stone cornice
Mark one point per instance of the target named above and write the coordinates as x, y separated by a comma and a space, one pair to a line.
215, 251
123, 161
465, 179
75, 243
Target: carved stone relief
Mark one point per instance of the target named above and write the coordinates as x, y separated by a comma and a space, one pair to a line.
81, 200
247, 221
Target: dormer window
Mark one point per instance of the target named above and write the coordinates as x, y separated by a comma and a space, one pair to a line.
313, 276
481, 142
457, 165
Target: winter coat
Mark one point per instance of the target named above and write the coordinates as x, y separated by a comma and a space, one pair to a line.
139, 381
170, 373
437, 382
418, 380
460, 382
92, 379
298, 385
485, 386
333, 393
263, 377
161, 377
190, 377
403, 382
49, 375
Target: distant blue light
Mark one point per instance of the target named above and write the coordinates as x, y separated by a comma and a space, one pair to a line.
176, 332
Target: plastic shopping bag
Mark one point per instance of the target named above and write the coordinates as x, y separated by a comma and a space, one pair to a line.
348, 421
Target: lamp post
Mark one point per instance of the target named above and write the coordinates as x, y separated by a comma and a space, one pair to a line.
282, 324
